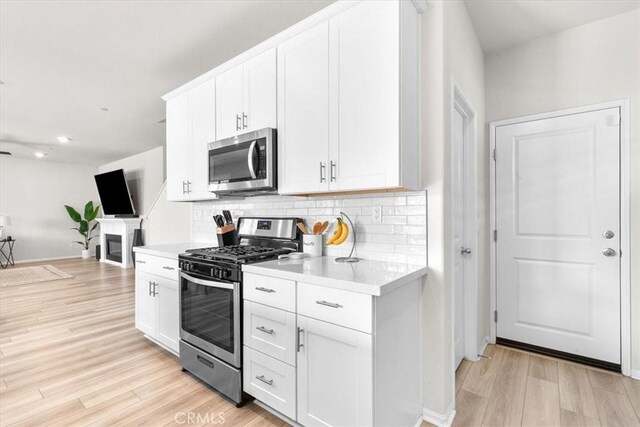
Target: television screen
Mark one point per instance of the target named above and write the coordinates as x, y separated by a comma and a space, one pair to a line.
114, 193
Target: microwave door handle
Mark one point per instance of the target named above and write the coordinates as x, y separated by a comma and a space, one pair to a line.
250, 159
209, 283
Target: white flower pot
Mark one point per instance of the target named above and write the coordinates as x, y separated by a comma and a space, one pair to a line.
86, 254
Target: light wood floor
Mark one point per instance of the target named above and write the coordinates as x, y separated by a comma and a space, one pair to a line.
70, 355
517, 388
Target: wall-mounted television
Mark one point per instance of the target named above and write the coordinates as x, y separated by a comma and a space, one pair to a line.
114, 193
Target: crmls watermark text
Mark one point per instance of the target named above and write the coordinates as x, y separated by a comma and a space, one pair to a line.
198, 418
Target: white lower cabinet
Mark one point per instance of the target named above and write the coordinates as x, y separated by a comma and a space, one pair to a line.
323, 356
271, 381
335, 375
157, 300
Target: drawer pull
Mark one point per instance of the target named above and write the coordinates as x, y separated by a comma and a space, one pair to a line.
264, 380
168, 268
141, 261
267, 290
265, 330
329, 304
205, 362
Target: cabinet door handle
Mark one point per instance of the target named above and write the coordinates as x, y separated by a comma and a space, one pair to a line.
267, 290
168, 268
184, 183
149, 287
322, 178
299, 339
237, 122
188, 186
244, 121
265, 330
264, 380
333, 171
329, 304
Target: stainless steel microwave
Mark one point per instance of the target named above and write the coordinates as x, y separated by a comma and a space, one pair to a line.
244, 164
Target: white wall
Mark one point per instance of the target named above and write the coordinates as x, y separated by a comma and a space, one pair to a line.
585, 65
33, 193
450, 53
164, 222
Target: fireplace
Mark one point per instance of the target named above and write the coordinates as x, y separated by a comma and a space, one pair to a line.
116, 240
113, 249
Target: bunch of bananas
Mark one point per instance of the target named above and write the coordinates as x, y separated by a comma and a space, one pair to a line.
340, 233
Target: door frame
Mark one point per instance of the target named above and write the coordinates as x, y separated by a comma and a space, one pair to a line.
470, 267
625, 217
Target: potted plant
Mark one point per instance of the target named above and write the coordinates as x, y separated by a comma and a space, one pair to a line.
85, 227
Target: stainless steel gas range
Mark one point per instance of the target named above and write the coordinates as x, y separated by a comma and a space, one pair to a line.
211, 300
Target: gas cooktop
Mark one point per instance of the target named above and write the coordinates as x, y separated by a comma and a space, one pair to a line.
240, 254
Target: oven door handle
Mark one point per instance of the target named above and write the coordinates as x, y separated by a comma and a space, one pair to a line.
209, 283
250, 159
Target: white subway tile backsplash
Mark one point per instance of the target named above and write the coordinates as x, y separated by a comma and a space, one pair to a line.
401, 237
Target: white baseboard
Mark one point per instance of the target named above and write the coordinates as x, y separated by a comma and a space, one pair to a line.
438, 419
484, 344
635, 374
24, 261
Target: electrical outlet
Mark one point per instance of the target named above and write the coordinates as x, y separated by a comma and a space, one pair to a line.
376, 214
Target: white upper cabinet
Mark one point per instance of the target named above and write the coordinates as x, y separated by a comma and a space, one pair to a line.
190, 126
341, 87
303, 112
372, 102
202, 105
246, 96
178, 130
260, 92
229, 103
365, 85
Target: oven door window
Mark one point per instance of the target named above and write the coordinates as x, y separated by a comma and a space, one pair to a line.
207, 313
234, 163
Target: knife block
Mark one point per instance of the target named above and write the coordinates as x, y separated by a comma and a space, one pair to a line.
227, 235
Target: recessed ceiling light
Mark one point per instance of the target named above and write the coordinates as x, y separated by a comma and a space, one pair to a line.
63, 139
39, 154
105, 109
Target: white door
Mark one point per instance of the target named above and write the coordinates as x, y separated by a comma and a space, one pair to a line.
202, 106
459, 244
145, 304
260, 92
365, 88
229, 98
335, 375
558, 233
168, 319
303, 112
178, 156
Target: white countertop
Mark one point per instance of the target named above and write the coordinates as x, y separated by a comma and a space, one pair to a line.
368, 277
171, 250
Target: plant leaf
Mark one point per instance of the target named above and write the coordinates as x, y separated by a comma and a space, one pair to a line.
80, 243
94, 214
88, 210
84, 227
75, 216
95, 226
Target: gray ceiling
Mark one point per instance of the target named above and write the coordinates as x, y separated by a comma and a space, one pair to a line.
62, 61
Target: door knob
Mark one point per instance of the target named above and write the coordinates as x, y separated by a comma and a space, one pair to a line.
608, 234
608, 252
465, 251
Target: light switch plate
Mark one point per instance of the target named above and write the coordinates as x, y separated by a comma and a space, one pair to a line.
376, 214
